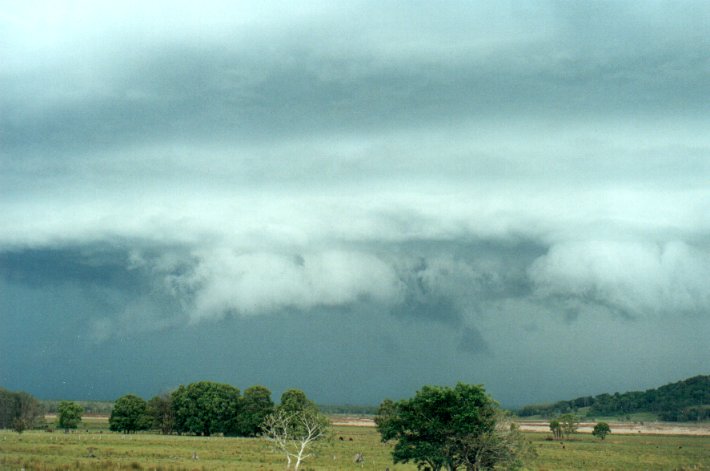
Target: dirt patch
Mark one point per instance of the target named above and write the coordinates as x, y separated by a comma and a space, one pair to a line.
649, 428
353, 421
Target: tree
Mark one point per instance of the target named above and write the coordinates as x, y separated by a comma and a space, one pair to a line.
160, 409
601, 430
19, 411
569, 423
69, 415
256, 405
129, 415
503, 446
293, 432
442, 427
556, 429
18, 425
295, 400
205, 408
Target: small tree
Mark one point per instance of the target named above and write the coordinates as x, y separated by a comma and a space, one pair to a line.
129, 415
569, 423
69, 415
292, 433
19, 425
503, 447
556, 429
601, 430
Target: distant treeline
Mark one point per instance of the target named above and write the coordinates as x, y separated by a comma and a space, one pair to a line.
687, 400
105, 408
89, 407
348, 409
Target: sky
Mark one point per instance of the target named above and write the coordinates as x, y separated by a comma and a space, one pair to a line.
354, 198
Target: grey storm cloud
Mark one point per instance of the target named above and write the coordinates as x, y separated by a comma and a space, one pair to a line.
516, 177
346, 73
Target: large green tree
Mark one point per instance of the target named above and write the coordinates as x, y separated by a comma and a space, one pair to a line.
256, 405
205, 408
449, 428
69, 415
129, 415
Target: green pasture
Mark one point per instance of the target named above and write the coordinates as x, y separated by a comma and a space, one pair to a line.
99, 449
621, 452
93, 450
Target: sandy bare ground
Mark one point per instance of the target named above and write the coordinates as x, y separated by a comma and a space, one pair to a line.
648, 428
353, 421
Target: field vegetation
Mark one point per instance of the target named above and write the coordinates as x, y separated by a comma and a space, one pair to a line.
100, 449
211, 426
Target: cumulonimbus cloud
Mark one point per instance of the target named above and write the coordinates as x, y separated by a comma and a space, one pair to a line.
293, 164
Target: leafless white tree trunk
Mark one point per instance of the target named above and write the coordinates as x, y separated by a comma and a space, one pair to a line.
292, 433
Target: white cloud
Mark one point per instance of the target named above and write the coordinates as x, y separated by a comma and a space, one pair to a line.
253, 283
637, 278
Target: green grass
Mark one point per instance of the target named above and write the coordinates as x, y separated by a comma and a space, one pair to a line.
621, 452
59, 451
99, 449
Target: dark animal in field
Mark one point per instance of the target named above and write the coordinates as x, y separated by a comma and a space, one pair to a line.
340, 438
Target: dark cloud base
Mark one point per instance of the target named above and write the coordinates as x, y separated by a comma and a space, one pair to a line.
359, 353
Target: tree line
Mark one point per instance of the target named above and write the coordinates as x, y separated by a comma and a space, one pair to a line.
206, 408
686, 400
203, 408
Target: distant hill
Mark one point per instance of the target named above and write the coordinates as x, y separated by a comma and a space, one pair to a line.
687, 400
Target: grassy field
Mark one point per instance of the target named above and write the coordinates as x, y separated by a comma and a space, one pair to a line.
98, 449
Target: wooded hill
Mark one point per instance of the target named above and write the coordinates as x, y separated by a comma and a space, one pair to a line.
687, 400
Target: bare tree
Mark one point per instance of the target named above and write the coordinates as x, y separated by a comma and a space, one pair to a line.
292, 433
